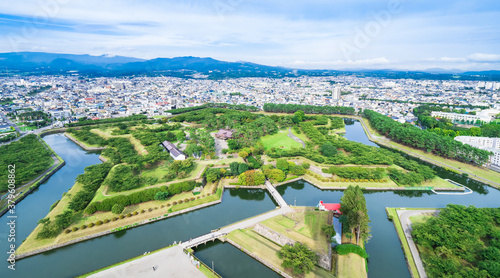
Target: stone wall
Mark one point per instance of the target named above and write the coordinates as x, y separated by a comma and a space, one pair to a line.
273, 235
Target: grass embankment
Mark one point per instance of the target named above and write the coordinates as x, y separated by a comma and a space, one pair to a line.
31, 243
471, 170
392, 214
437, 182
267, 250
279, 140
351, 265
303, 226
139, 148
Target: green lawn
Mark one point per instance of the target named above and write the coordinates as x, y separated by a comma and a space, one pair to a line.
351, 266
304, 226
266, 250
279, 140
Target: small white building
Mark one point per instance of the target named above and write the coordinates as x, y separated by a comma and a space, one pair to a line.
175, 153
485, 143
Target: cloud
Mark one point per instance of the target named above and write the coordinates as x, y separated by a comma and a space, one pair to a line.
483, 57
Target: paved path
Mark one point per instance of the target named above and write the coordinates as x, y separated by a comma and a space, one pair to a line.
172, 262
276, 195
384, 141
297, 139
404, 217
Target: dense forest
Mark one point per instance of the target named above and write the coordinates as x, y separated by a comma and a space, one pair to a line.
30, 157
249, 126
447, 128
460, 242
412, 136
310, 109
214, 105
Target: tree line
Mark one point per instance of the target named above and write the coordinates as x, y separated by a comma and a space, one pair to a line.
412, 136
310, 109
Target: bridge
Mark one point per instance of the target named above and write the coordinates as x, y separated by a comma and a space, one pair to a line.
212, 236
276, 195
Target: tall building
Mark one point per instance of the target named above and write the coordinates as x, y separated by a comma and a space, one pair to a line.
336, 93
485, 143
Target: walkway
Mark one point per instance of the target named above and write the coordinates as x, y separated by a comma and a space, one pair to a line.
171, 262
236, 226
297, 139
404, 217
276, 195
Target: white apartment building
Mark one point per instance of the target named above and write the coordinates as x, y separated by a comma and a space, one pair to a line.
485, 143
336, 93
462, 117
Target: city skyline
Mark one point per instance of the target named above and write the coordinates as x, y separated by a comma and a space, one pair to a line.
404, 35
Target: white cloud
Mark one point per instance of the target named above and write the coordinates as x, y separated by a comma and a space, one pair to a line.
483, 57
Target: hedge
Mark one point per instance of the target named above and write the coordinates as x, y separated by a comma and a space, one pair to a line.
344, 249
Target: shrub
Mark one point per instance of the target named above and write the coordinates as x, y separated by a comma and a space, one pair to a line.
192, 198
344, 249
67, 231
114, 218
143, 211
198, 197
150, 209
91, 225
121, 216
174, 203
129, 214
98, 223
117, 208
168, 204
162, 206
180, 201
83, 227
135, 213
186, 200
105, 221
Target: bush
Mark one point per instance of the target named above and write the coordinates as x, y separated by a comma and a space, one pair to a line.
105, 221
306, 165
143, 211
135, 213
98, 223
174, 203
91, 225
150, 209
180, 201
117, 208
121, 216
83, 227
67, 231
193, 198
114, 218
344, 249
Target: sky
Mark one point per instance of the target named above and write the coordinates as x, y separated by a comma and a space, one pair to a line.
312, 34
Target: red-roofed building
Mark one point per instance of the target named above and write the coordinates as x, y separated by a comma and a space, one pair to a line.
329, 207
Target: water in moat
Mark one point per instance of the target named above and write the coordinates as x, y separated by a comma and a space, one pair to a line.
386, 256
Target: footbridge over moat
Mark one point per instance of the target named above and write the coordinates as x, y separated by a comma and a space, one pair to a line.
212, 236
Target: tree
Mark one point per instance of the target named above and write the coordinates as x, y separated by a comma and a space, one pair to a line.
161, 196
234, 168
329, 230
242, 167
117, 208
243, 154
353, 207
282, 164
298, 116
180, 136
328, 149
298, 257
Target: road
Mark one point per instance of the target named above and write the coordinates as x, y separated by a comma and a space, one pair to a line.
404, 217
383, 141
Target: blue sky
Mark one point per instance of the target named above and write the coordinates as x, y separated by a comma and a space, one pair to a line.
323, 34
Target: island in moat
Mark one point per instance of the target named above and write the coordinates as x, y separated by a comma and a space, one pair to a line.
154, 169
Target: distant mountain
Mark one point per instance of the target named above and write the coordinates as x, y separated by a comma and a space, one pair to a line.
30, 63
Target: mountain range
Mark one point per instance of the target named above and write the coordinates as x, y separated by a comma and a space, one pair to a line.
37, 63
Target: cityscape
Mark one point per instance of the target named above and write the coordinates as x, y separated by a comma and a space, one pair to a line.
250, 139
